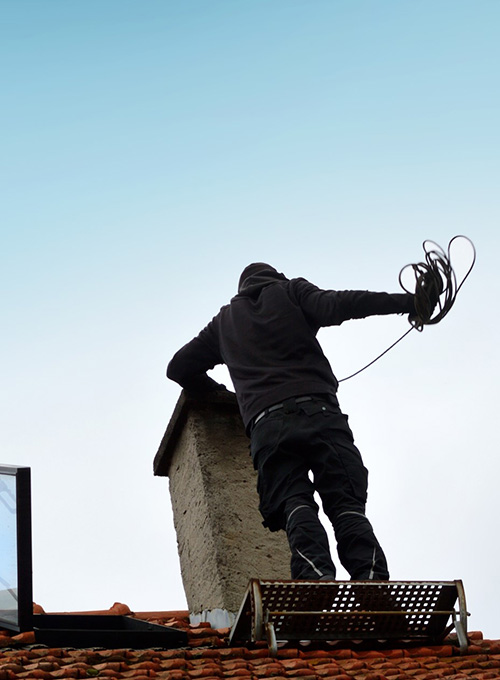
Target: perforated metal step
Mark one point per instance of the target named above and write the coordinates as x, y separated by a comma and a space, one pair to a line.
351, 610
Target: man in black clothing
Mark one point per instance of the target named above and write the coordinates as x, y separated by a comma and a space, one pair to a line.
286, 392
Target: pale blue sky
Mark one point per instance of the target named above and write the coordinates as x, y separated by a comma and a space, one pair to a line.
150, 150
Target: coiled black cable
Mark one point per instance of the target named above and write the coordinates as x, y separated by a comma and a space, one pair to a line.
435, 292
436, 286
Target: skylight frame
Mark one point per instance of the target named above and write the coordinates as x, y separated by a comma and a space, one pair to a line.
21, 618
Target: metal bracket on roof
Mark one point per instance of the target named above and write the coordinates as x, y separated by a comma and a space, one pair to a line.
272, 643
460, 622
378, 611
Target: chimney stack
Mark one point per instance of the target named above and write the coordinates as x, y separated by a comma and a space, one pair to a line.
220, 537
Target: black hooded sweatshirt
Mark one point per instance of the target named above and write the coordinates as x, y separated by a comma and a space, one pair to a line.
266, 336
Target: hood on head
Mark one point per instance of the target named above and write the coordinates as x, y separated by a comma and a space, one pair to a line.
257, 275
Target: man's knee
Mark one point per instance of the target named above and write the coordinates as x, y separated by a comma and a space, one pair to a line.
347, 520
297, 512
297, 500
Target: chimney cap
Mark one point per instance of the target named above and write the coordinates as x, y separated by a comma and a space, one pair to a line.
185, 404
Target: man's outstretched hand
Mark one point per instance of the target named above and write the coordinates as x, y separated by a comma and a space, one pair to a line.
428, 290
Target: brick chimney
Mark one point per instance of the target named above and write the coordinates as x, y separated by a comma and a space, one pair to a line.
220, 537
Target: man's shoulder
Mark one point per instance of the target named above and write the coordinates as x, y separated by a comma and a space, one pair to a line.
301, 281
301, 285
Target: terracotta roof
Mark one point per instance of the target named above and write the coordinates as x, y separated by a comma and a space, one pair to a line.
208, 657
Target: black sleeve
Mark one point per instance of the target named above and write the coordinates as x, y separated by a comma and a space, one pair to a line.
190, 364
332, 307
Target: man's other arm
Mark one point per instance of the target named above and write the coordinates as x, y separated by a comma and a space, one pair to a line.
190, 364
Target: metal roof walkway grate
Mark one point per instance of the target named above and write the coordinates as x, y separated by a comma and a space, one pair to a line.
409, 611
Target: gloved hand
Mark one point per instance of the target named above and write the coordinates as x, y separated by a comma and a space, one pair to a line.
432, 287
428, 289
221, 388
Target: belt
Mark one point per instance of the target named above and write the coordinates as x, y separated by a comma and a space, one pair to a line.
276, 407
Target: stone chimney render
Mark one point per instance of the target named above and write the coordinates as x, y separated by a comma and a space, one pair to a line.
220, 537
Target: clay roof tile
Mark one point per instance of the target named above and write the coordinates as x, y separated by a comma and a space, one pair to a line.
208, 657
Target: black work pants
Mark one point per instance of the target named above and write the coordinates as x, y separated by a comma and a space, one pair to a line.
288, 443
